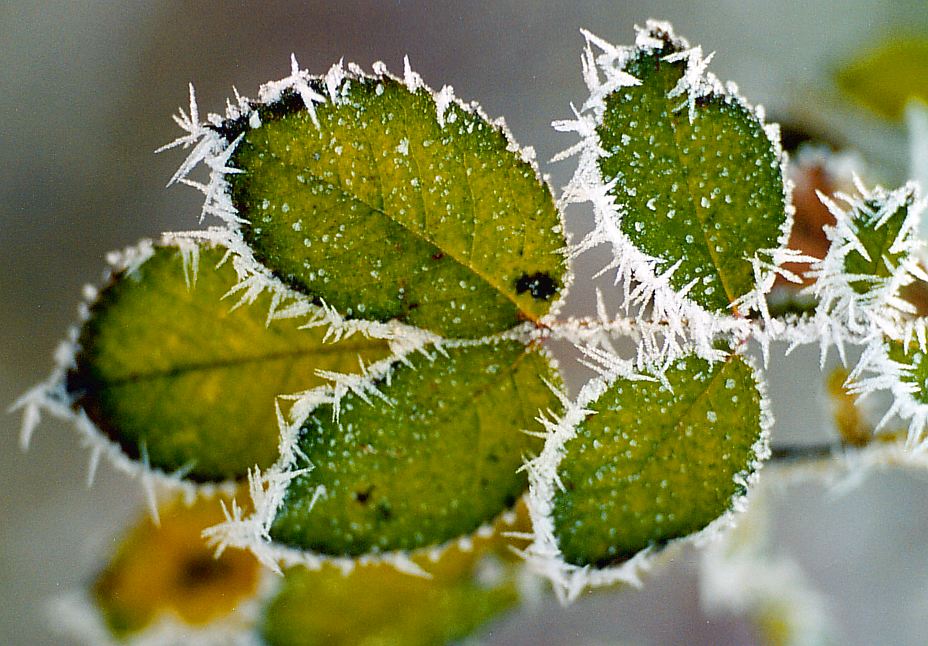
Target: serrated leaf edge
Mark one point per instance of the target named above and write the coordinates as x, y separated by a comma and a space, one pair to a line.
212, 150
876, 372
51, 397
843, 316
683, 316
267, 489
544, 557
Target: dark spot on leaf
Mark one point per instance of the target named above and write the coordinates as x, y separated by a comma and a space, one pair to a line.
703, 100
363, 496
438, 255
540, 285
290, 102
384, 511
201, 570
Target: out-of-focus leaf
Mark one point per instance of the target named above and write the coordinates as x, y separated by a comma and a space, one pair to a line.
887, 77
376, 604
169, 571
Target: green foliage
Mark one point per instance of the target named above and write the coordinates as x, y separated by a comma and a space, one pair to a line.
703, 188
436, 462
173, 372
386, 213
914, 365
878, 234
654, 461
389, 202
375, 604
886, 78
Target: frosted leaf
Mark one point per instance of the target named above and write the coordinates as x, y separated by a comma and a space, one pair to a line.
686, 183
637, 463
432, 456
467, 585
182, 383
435, 457
900, 367
387, 201
872, 256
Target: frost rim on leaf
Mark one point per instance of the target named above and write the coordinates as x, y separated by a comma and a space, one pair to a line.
215, 139
684, 317
544, 555
267, 489
844, 315
51, 396
877, 371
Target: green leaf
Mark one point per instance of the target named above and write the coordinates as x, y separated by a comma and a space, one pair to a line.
879, 233
914, 365
699, 186
887, 77
652, 464
171, 372
386, 213
436, 462
377, 604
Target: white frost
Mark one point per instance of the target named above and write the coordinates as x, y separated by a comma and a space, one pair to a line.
51, 396
544, 555
646, 280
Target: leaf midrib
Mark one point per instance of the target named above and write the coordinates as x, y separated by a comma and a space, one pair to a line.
340, 347
674, 430
441, 419
488, 280
696, 205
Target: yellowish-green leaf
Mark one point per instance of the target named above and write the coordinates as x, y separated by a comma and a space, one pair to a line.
378, 605
706, 192
384, 212
436, 462
887, 77
651, 464
169, 372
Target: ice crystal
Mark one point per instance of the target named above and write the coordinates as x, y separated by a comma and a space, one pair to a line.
859, 292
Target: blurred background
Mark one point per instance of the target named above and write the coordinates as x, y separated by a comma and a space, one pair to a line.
86, 93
